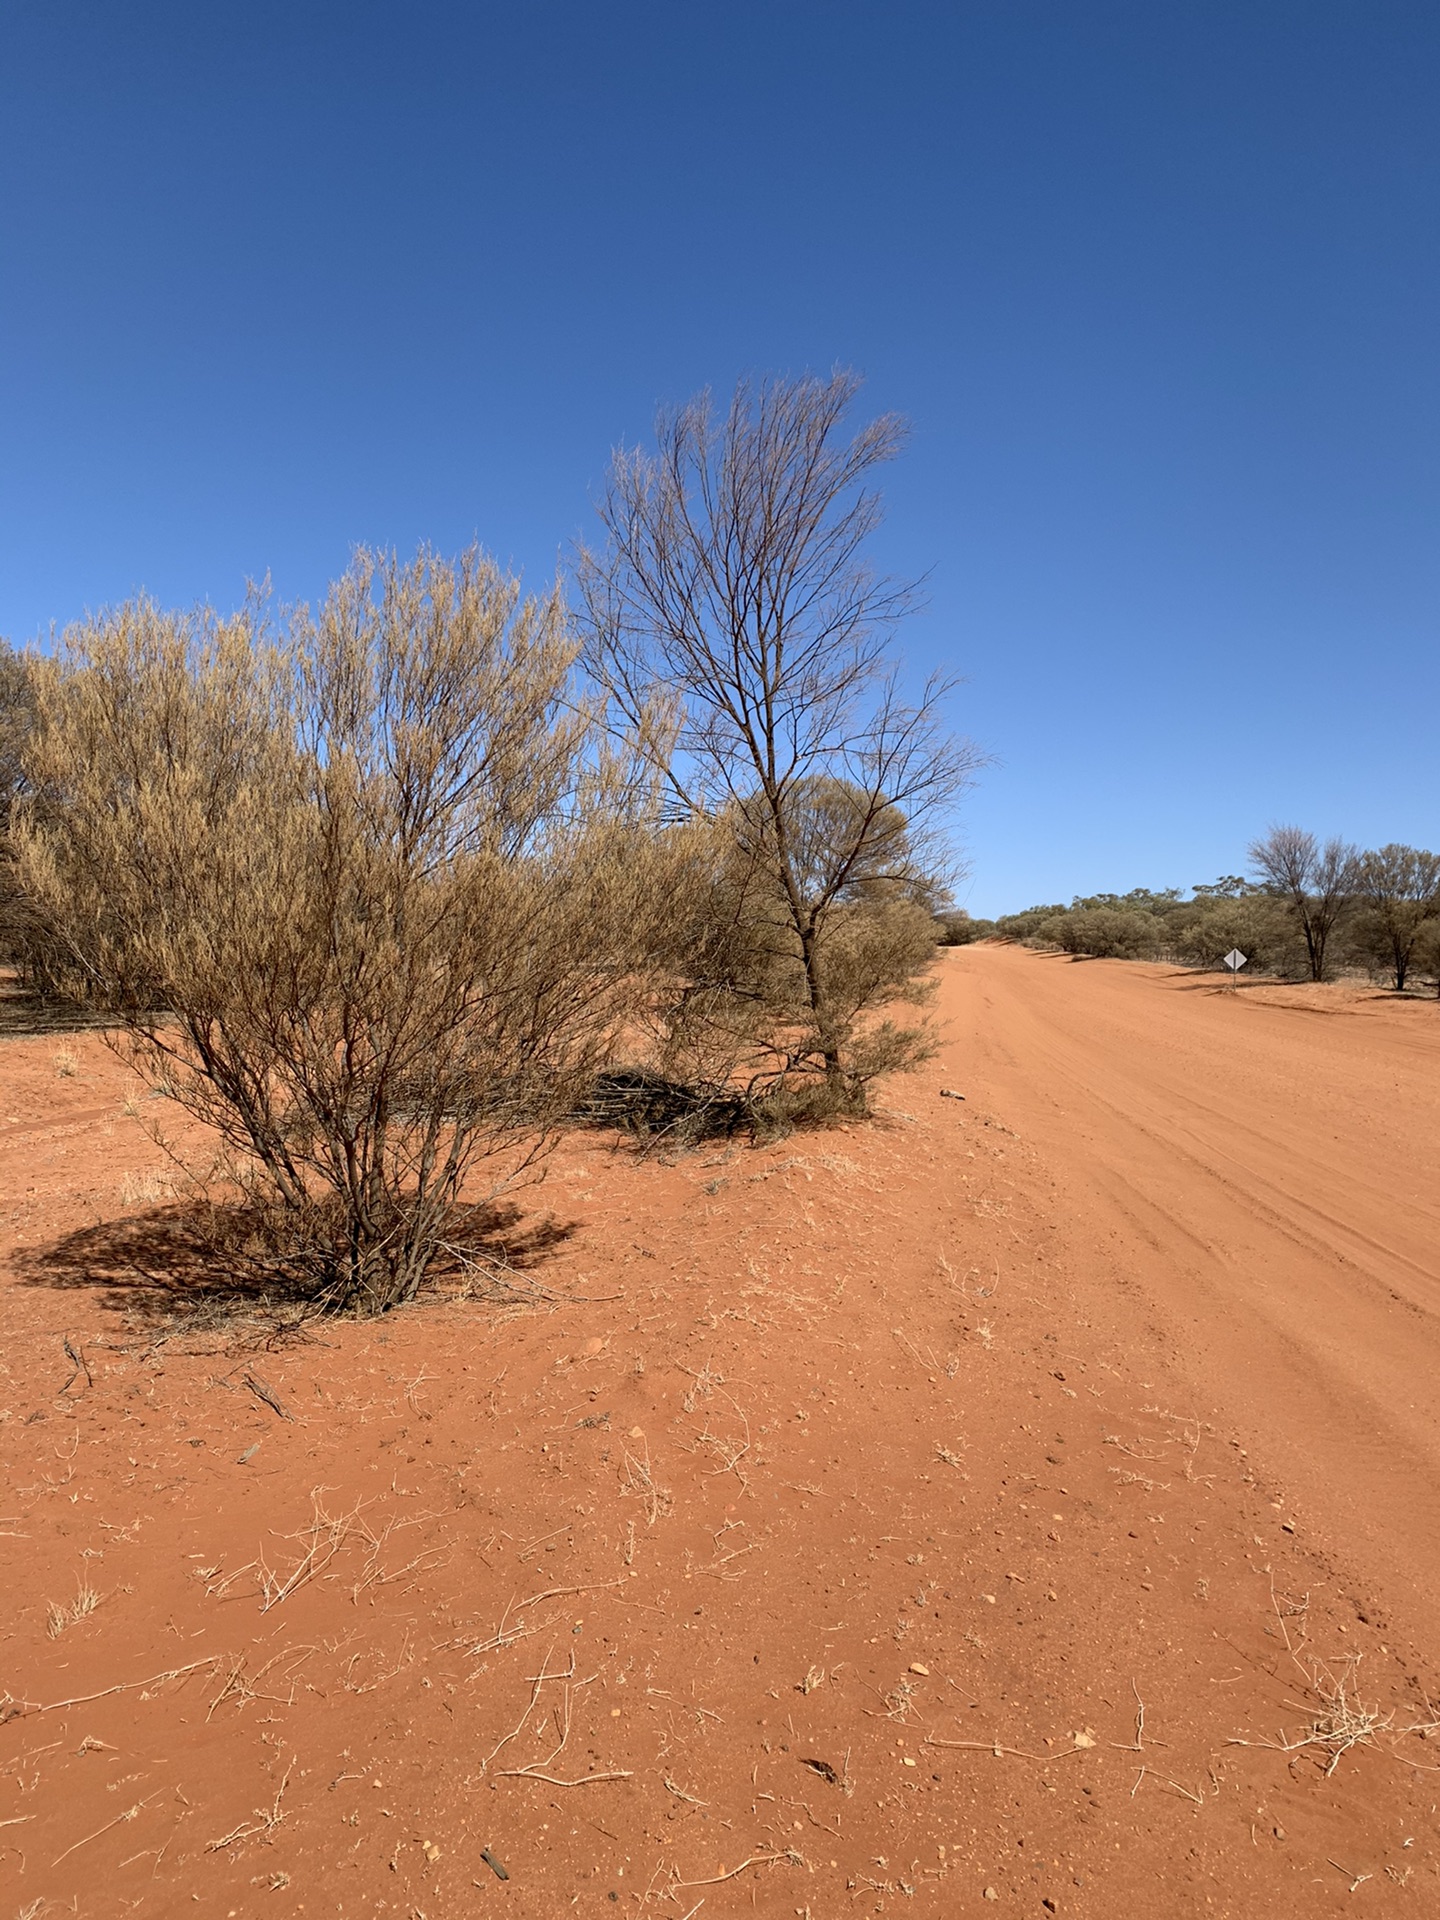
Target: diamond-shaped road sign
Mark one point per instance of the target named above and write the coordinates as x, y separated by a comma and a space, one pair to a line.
1234, 960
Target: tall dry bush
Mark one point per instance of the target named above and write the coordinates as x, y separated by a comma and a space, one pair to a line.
369, 894
734, 599
736, 1014
17, 710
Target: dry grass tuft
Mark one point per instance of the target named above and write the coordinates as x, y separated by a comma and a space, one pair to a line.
58, 1617
320, 1544
639, 1480
1340, 1719
146, 1190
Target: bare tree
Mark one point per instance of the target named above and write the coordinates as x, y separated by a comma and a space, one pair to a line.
736, 625
1318, 881
1400, 886
370, 897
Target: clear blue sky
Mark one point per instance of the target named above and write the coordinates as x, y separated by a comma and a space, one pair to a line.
1156, 283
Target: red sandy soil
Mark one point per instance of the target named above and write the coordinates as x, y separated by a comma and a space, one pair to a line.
960, 1514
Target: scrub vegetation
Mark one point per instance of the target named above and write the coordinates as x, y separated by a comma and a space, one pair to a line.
1308, 910
386, 892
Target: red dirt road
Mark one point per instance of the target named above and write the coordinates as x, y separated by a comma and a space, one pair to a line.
908, 1519
1253, 1177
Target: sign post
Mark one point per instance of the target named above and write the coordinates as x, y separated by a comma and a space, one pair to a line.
1234, 960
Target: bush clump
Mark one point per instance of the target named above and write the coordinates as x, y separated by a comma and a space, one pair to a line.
369, 895
1312, 911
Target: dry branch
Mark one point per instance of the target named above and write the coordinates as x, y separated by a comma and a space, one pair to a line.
715, 1879
12, 1709
994, 1747
262, 1390
266, 1819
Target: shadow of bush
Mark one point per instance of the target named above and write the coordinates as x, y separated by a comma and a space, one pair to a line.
202, 1268
26, 1014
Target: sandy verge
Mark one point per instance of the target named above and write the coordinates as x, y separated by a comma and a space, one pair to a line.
908, 1519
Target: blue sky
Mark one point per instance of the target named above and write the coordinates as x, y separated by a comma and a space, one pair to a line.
1156, 284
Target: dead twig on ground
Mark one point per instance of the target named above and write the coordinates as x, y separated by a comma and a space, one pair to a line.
129, 1814
834, 1832
680, 1794
715, 1879
79, 1365
539, 1769
506, 1634
529, 1550
1355, 1879
994, 1747
324, 1538
1137, 1745
245, 1687
553, 1780
265, 1822
13, 1709
640, 1481
262, 1390
1165, 1780
728, 1452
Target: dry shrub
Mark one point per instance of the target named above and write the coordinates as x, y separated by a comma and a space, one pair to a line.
367, 892
17, 712
742, 1014
734, 603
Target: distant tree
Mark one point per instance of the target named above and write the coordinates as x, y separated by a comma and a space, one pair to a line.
1104, 933
1202, 931
1230, 886
1400, 887
1318, 882
960, 929
1023, 926
734, 606
1138, 900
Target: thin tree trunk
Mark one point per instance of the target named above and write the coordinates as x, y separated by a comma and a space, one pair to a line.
834, 1074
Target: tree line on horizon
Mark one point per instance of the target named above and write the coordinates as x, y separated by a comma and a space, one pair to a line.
387, 892
1307, 910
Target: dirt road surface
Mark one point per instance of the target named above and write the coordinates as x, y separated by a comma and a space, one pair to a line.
1023, 1505
1253, 1176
